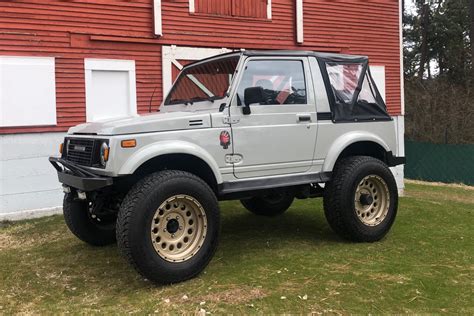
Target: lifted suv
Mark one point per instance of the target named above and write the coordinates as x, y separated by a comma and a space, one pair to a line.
264, 127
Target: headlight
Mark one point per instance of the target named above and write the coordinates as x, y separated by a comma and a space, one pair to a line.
104, 153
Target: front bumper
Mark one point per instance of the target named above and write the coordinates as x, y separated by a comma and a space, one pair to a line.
78, 177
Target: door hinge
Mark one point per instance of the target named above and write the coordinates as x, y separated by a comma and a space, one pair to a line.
233, 159
230, 120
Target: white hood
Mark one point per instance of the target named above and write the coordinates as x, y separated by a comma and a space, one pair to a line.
146, 123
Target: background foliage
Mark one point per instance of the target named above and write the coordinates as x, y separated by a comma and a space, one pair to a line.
439, 72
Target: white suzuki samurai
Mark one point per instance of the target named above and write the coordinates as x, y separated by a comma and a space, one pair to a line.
264, 127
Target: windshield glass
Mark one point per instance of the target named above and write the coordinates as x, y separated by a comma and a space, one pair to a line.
204, 82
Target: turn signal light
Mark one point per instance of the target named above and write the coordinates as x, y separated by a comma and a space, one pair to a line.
61, 146
129, 143
106, 154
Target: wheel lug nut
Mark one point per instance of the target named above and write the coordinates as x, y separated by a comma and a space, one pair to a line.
164, 230
180, 227
167, 218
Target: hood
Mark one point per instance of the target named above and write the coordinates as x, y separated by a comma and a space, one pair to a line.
148, 123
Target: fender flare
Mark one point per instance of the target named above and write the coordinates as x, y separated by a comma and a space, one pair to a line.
344, 141
169, 147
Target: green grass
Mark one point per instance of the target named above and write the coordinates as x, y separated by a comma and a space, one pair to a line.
424, 265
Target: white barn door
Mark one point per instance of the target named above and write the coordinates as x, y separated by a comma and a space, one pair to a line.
110, 89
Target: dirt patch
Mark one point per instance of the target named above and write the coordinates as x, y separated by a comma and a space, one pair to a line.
441, 184
9, 236
398, 278
434, 198
234, 296
339, 268
14, 238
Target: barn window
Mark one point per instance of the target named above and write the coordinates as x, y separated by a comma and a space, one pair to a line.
27, 91
236, 8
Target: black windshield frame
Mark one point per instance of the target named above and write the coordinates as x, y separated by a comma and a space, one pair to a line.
185, 72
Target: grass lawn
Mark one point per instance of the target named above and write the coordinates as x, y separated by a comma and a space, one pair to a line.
292, 263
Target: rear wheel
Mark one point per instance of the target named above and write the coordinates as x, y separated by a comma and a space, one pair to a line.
168, 226
86, 221
272, 204
360, 202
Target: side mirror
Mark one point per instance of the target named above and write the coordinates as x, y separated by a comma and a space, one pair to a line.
252, 95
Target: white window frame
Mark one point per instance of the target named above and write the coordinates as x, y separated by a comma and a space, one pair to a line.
171, 55
299, 22
91, 64
380, 78
48, 115
157, 18
192, 8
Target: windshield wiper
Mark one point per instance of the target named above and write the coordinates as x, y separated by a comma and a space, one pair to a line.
211, 99
194, 99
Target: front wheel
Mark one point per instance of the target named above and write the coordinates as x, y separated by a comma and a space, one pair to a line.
86, 223
168, 226
360, 201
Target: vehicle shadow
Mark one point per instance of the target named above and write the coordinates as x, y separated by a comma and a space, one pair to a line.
295, 225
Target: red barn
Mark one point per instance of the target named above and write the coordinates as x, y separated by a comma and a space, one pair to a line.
67, 62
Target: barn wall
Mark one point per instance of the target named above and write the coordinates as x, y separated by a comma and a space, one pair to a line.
71, 31
27, 180
65, 30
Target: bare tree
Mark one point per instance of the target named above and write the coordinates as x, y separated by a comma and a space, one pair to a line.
425, 16
471, 10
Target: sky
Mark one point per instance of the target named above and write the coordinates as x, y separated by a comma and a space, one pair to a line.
409, 5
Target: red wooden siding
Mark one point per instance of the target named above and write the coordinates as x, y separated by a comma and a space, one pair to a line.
360, 27
250, 8
63, 30
73, 30
217, 7
236, 8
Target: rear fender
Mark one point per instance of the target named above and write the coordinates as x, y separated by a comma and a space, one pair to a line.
345, 140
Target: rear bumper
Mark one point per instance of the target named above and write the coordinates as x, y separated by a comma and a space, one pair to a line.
393, 161
77, 177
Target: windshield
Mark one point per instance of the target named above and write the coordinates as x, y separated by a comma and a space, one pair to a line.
203, 82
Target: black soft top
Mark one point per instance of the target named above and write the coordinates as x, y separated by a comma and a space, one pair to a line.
323, 56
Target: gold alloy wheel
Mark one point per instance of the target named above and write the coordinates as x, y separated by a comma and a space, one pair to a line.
372, 200
178, 228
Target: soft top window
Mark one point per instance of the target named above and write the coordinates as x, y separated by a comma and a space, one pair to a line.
353, 95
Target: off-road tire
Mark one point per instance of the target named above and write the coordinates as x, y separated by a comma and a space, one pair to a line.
83, 226
265, 206
138, 211
340, 193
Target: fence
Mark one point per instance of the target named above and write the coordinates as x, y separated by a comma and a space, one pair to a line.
448, 163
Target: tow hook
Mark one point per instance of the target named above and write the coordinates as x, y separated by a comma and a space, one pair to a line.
66, 189
81, 195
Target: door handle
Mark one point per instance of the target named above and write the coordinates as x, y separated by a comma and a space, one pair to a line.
304, 117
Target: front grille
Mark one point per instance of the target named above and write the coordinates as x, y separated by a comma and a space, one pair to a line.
80, 151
